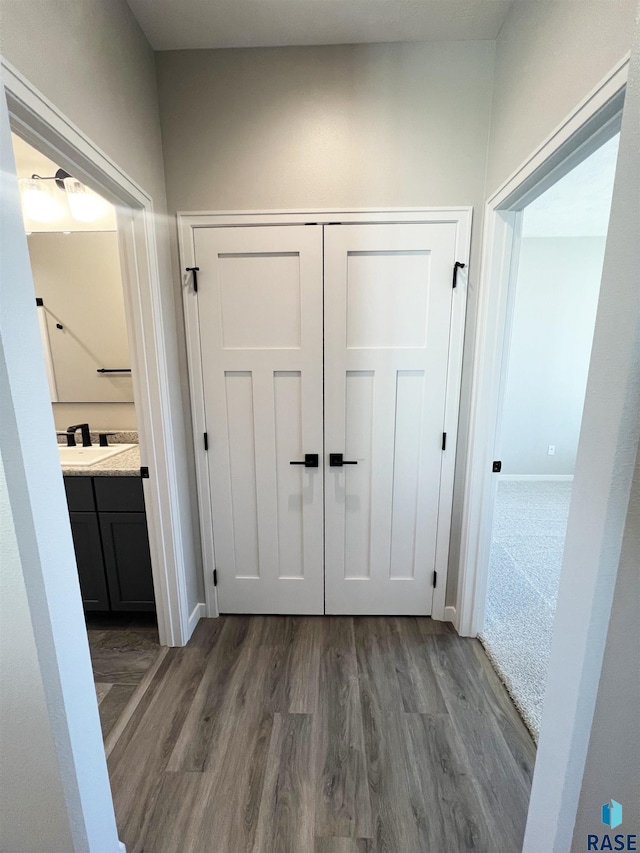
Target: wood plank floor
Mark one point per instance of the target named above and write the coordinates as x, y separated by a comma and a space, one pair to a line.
323, 735
123, 648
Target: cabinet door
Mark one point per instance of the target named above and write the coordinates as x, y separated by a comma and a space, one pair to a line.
88, 548
125, 543
79, 492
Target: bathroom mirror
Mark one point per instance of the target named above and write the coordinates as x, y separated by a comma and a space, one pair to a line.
80, 302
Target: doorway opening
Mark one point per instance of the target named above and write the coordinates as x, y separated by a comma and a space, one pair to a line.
42, 125
74, 253
551, 317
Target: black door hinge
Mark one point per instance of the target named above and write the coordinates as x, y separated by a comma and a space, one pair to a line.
497, 466
144, 473
206, 441
215, 577
195, 271
457, 266
444, 441
39, 301
435, 580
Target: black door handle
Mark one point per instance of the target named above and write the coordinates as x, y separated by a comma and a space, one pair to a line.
310, 461
336, 460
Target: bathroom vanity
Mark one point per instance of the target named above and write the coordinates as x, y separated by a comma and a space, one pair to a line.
109, 526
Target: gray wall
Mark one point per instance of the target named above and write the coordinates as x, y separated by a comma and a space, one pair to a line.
54, 789
589, 739
111, 417
386, 125
557, 289
31, 810
91, 59
613, 761
612, 764
550, 54
342, 126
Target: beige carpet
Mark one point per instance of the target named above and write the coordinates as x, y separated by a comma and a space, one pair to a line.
530, 523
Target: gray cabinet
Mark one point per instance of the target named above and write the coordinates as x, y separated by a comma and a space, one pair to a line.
88, 548
111, 541
127, 561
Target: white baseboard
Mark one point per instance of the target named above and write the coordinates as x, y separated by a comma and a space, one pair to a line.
513, 478
451, 615
198, 613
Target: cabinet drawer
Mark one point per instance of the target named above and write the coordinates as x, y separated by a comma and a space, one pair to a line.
79, 494
119, 494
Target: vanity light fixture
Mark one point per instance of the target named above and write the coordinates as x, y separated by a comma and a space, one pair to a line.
37, 201
41, 206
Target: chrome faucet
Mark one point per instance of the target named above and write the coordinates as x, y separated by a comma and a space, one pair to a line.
86, 435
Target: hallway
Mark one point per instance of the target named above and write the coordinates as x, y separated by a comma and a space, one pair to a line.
324, 734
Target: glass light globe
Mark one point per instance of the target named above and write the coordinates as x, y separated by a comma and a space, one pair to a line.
85, 205
37, 202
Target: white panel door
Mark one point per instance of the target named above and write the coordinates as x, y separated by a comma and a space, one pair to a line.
388, 300
260, 315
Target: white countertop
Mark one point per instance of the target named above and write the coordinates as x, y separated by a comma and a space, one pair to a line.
125, 464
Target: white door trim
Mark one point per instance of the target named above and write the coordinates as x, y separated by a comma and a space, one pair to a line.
187, 222
593, 120
39, 121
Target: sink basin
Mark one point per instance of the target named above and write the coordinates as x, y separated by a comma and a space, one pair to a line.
83, 457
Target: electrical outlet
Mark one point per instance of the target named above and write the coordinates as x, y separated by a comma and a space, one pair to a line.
551, 450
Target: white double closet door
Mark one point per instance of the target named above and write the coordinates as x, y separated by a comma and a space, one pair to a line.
323, 340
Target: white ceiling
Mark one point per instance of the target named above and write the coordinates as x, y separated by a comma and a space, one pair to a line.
182, 24
578, 204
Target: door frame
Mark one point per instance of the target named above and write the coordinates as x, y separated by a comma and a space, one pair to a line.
596, 119
39, 122
189, 221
